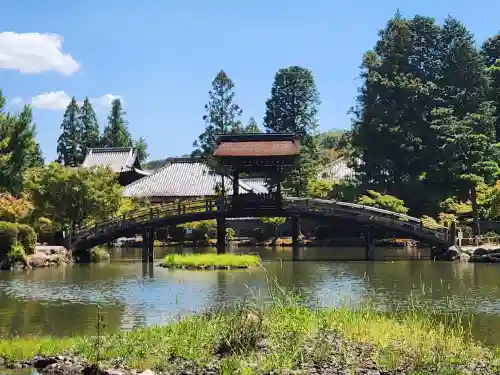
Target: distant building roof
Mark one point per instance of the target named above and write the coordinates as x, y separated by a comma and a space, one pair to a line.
118, 159
336, 171
185, 177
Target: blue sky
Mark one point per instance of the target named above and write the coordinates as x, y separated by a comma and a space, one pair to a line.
161, 56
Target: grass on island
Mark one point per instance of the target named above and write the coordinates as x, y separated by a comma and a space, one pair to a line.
210, 260
294, 334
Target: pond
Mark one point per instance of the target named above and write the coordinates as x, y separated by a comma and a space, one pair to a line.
64, 301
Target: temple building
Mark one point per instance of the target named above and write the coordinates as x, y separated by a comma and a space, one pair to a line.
121, 160
187, 178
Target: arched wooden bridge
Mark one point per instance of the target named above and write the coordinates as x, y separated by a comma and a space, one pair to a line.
180, 212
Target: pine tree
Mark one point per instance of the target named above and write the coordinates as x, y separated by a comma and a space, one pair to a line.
69, 146
116, 132
491, 52
252, 126
222, 115
90, 127
140, 148
18, 149
469, 151
292, 108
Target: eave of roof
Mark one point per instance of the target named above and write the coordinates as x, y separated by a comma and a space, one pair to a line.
258, 149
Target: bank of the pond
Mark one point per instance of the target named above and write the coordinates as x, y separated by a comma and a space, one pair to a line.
44, 256
278, 242
282, 338
210, 261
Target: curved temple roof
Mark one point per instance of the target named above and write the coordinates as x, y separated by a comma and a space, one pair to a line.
187, 177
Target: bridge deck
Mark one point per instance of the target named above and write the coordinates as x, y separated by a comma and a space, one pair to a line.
258, 206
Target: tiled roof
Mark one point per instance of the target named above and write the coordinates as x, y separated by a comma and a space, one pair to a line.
336, 171
184, 177
118, 159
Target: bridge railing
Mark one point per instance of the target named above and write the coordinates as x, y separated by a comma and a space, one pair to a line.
372, 213
154, 212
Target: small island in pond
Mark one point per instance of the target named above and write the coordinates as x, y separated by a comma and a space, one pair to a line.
210, 261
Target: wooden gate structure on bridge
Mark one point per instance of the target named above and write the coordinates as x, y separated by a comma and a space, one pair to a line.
269, 155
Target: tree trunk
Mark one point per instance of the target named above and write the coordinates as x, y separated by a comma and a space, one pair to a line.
475, 211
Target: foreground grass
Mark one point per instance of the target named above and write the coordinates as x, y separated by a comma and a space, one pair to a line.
210, 260
294, 336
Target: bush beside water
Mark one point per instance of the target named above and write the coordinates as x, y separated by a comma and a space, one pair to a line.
210, 260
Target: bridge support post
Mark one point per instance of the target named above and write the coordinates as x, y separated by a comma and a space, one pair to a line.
221, 235
369, 245
453, 233
295, 237
148, 237
151, 245
145, 245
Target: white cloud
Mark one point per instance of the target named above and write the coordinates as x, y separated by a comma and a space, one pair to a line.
51, 100
105, 100
15, 101
60, 99
35, 53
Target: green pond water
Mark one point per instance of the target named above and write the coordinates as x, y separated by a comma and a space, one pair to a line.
63, 301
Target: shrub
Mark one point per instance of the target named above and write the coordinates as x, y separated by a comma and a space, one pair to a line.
322, 232
27, 238
98, 254
230, 235
9, 233
259, 234
177, 233
16, 253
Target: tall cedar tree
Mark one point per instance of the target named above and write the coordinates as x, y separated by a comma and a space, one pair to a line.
90, 127
292, 108
221, 114
415, 67
141, 149
116, 132
69, 144
491, 52
470, 151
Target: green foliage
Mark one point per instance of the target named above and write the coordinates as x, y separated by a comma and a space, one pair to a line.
331, 139
14, 209
9, 233
116, 133
202, 230
276, 222
404, 149
208, 259
386, 202
69, 197
141, 149
230, 235
69, 144
13, 233
89, 127
98, 254
252, 126
319, 188
292, 108
260, 234
18, 148
27, 238
16, 253
222, 114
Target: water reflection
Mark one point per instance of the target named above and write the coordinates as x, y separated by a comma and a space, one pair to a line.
64, 301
